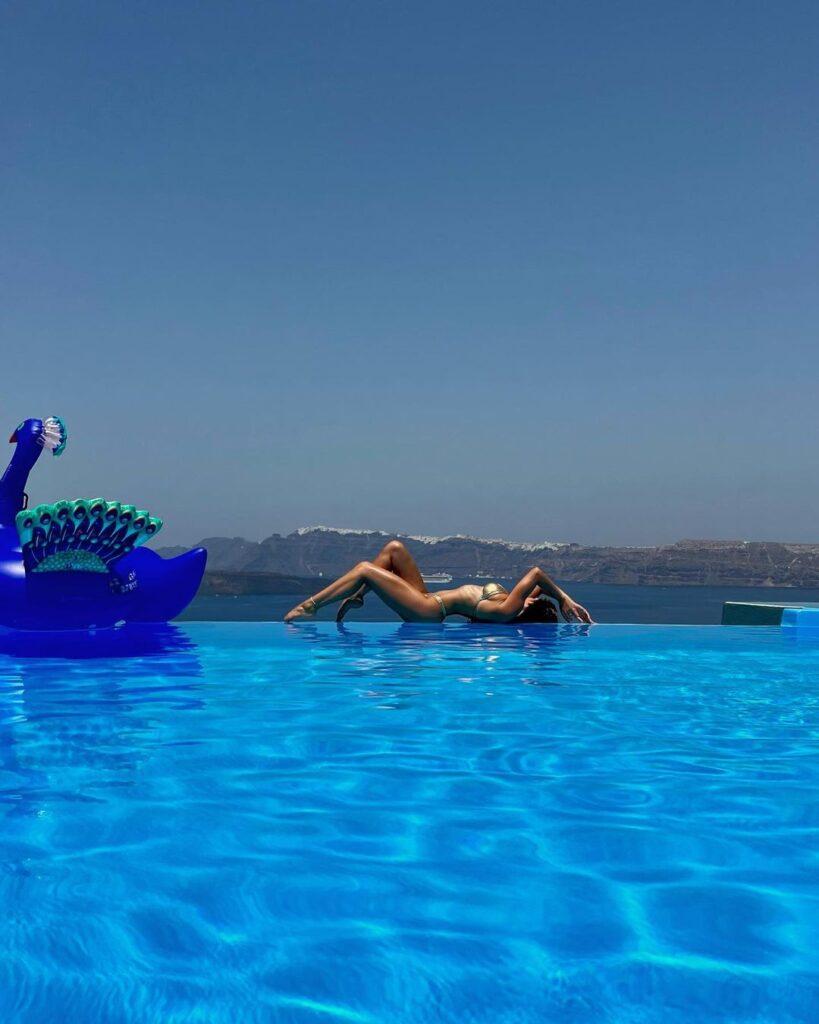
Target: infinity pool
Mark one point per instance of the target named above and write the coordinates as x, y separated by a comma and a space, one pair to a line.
255, 823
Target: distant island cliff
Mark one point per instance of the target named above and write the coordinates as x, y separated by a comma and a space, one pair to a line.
236, 565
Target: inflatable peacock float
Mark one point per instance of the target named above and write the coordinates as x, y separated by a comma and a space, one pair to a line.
78, 564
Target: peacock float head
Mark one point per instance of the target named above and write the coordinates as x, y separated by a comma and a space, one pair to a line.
50, 434
31, 439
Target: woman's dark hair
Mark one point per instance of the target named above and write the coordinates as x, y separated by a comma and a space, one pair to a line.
540, 610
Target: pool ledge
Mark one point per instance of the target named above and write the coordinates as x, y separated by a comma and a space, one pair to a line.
770, 613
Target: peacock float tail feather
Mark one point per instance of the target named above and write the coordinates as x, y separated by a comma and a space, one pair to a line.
85, 535
100, 540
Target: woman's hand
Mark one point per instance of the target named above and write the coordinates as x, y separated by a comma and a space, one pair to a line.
572, 611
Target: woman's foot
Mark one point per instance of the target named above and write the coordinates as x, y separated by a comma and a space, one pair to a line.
306, 610
355, 600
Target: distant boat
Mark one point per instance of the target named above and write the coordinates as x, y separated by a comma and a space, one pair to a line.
436, 577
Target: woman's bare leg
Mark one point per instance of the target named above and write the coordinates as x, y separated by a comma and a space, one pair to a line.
397, 593
395, 558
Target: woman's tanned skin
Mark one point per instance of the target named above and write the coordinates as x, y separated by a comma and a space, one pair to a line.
394, 576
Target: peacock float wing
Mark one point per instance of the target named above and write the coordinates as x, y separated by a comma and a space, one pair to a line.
84, 535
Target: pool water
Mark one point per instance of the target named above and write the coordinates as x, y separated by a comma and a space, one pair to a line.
243, 822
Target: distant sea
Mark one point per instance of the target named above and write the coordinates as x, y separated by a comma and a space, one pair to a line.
682, 605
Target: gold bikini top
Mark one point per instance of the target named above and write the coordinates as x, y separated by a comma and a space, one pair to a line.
490, 590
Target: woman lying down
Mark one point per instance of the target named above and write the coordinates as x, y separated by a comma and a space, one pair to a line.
396, 579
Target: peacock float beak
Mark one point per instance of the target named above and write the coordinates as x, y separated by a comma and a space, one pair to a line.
13, 438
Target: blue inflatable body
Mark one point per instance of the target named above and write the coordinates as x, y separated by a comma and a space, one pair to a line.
77, 564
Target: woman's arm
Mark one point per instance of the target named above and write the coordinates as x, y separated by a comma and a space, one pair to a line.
534, 583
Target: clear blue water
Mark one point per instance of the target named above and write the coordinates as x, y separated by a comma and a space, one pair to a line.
245, 822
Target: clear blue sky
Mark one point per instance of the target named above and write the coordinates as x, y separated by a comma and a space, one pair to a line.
534, 270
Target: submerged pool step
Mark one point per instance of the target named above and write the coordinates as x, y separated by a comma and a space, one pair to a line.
770, 613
